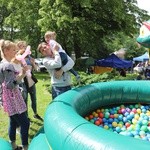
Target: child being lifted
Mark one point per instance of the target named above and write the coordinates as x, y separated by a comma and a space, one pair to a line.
50, 38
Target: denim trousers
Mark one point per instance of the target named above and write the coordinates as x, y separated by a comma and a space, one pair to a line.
59, 90
32, 93
23, 122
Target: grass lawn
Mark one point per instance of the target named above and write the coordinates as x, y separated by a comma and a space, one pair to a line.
43, 99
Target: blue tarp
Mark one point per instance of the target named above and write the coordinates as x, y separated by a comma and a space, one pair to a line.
142, 57
114, 62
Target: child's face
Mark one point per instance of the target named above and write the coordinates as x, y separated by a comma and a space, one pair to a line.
11, 52
47, 39
23, 46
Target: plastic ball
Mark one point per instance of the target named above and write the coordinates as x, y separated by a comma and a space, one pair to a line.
145, 122
114, 124
118, 129
138, 110
101, 115
107, 115
87, 118
144, 128
97, 122
106, 127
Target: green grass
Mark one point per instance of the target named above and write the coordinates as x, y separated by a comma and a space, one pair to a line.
43, 99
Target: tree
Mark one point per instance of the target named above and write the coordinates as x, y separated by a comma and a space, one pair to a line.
22, 21
82, 25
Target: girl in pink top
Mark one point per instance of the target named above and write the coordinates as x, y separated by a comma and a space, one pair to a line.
12, 99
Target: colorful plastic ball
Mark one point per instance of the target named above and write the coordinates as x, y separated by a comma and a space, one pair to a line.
91, 116
138, 110
87, 118
111, 116
127, 124
145, 122
104, 120
136, 116
120, 117
129, 117
123, 133
106, 127
118, 129
142, 133
114, 124
107, 115
129, 134
135, 132
137, 136
123, 110
125, 119
128, 110
98, 110
144, 128
92, 120
101, 115
97, 122
110, 120
116, 120
116, 115
134, 110
95, 115
134, 121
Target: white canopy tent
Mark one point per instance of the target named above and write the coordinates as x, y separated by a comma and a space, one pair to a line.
143, 57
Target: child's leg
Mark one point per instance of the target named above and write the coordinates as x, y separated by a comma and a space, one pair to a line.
74, 72
12, 131
24, 124
64, 59
76, 75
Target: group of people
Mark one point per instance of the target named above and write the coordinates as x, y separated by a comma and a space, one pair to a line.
143, 71
16, 83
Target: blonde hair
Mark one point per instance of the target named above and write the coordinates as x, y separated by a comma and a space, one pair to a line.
1, 53
50, 34
6, 45
20, 44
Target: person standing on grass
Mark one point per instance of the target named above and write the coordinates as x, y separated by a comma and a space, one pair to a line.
60, 79
22, 45
13, 101
50, 38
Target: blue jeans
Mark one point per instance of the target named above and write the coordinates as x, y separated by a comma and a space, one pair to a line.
59, 90
23, 122
64, 61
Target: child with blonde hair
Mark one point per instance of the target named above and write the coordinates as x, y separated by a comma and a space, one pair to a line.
50, 38
13, 101
22, 45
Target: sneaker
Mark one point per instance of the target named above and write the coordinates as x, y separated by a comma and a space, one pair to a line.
18, 147
36, 116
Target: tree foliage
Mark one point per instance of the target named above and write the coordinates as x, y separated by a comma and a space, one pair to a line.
87, 26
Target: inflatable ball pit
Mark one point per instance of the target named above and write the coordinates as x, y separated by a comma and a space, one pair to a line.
65, 127
5, 145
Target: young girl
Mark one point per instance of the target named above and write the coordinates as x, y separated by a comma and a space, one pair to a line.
22, 45
13, 102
